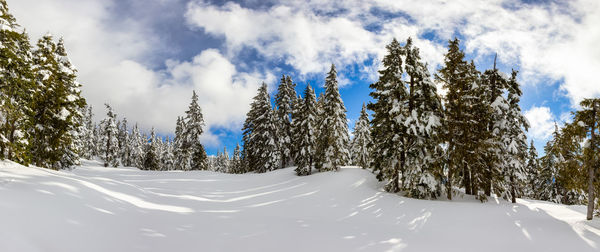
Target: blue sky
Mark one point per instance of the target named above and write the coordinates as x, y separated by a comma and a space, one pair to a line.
146, 56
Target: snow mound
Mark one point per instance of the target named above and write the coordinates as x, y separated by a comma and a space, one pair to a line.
93, 208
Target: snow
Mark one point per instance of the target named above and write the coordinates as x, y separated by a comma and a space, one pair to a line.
93, 208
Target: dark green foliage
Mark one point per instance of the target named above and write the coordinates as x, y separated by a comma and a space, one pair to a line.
284, 102
151, 160
16, 87
361, 144
388, 114
333, 132
56, 107
261, 153
306, 132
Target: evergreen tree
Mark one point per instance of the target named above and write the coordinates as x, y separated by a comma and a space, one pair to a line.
137, 147
298, 104
260, 143
194, 123
108, 139
361, 144
56, 109
96, 140
457, 76
89, 142
284, 103
493, 86
586, 127
124, 147
531, 172
236, 161
151, 159
515, 140
16, 83
423, 125
334, 128
222, 162
167, 157
179, 153
306, 132
549, 176
389, 112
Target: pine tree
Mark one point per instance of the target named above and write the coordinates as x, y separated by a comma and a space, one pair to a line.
423, 125
493, 85
284, 103
531, 171
194, 123
179, 153
334, 127
96, 140
137, 147
16, 83
457, 76
389, 112
260, 143
222, 162
515, 143
124, 147
108, 139
297, 105
151, 159
306, 132
236, 161
361, 144
57, 104
549, 175
89, 143
167, 157
587, 123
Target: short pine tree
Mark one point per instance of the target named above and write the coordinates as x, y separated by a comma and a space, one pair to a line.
108, 139
361, 144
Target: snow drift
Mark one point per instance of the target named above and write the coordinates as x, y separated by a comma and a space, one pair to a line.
93, 208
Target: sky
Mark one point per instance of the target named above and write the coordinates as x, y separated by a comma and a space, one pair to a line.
145, 57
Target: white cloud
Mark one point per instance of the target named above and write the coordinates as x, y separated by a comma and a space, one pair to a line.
556, 40
158, 98
109, 58
295, 33
541, 122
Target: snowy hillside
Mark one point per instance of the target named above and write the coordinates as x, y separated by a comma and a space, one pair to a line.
93, 208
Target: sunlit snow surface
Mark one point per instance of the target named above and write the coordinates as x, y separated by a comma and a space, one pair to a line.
93, 208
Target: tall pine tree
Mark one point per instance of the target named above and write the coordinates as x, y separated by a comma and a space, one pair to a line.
306, 132
361, 144
260, 139
284, 103
334, 136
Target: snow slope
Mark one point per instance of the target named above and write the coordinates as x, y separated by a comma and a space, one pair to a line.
93, 208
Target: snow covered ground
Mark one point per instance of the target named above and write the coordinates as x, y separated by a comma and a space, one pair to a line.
93, 208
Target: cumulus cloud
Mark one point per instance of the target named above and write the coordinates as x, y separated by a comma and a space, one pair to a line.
541, 122
157, 98
303, 38
554, 39
110, 59
550, 40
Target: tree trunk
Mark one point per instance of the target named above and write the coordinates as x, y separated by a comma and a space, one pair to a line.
449, 179
591, 167
467, 180
513, 193
402, 164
